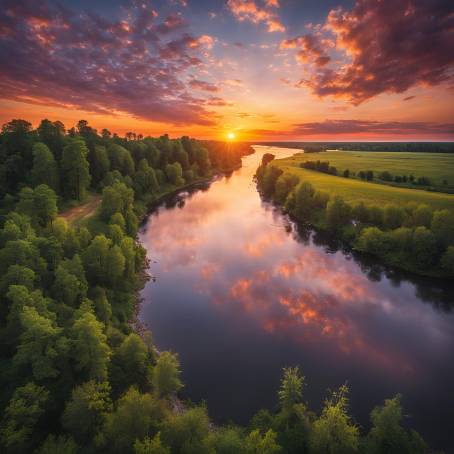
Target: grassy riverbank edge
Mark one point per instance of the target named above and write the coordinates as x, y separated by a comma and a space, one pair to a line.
320, 227
348, 235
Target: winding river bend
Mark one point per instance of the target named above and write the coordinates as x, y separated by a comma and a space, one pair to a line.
240, 293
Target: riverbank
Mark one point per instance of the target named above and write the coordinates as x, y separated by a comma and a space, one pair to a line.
410, 237
152, 204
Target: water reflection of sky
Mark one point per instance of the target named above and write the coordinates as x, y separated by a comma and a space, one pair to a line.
232, 281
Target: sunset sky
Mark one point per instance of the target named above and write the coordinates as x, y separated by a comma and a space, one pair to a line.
264, 69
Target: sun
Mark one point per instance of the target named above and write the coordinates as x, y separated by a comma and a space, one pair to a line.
231, 136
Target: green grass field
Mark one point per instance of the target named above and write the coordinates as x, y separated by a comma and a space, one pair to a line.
435, 166
354, 190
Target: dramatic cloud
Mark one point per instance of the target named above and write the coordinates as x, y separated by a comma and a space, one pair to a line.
247, 10
55, 56
310, 49
385, 47
203, 85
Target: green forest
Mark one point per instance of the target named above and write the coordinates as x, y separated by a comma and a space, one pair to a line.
77, 374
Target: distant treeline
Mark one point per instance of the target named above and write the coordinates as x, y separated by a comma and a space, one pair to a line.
70, 162
368, 175
410, 236
415, 147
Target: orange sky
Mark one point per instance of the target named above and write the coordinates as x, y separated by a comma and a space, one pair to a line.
265, 69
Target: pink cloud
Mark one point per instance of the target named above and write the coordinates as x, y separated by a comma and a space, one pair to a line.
203, 85
60, 58
384, 47
247, 10
309, 48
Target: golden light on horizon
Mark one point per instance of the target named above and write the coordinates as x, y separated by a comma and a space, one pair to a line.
231, 135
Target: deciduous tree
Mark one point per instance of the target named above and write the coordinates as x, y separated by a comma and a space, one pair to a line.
75, 169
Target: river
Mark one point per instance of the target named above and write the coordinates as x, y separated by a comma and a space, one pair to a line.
239, 294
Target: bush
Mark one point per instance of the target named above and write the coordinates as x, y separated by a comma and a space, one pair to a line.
385, 176
442, 226
338, 214
360, 212
376, 215
394, 216
268, 180
284, 184
374, 241
422, 216
424, 247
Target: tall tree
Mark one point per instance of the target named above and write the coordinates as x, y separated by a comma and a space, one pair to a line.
58, 445
99, 163
151, 446
53, 135
86, 411
44, 170
135, 417
166, 374
291, 390
337, 214
333, 432
387, 434
70, 285
255, 443
174, 173
25, 408
40, 204
188, 432
16, 158
75, 169
131, 363
90, 348
41, 343
95, 258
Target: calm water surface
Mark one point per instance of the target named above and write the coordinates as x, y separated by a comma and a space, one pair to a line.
240, 293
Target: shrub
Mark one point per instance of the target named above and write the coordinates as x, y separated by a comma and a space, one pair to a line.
424, 247
284, 184
394, 216
338, 214
374, 241
385, 176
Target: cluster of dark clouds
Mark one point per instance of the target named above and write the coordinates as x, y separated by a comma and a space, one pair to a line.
388, 46
55, 56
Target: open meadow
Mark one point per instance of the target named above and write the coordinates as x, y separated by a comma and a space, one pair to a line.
437, 167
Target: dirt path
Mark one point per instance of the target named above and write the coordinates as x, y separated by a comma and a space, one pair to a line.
81, 212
